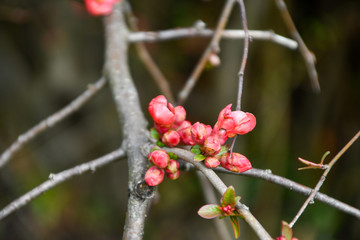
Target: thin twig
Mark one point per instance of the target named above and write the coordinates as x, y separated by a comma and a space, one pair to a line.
212, 47
50, 121
221, 188
308, 56
310, 199
146, 58
165, 35
55, 179
268, 176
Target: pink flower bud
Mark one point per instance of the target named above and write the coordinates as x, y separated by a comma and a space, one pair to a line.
161, 130
162, 113
244, 122
159, 157
214, 59
99, 7
171, 138
154, 176
199, 132
212, 162
172, 167
174, 176
212, 145
180, 116
236, 163
185, 134
225, 120
227, 210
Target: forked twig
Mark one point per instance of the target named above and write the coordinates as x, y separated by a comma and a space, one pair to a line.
50, 121
322, 179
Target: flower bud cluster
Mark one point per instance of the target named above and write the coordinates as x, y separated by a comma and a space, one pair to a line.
162, 163
208, 143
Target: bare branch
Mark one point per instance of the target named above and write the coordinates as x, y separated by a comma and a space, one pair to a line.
221, 188
294, 186
266, 35
75, 105
308, 56
55, 179
322, 179
145, 57
212, 47
131, 118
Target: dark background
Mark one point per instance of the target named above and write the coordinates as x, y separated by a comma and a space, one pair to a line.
51, 50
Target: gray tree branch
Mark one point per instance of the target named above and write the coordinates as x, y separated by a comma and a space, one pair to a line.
50, 121
132, 120
55, 179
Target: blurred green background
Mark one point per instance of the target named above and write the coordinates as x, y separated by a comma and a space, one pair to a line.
49, 52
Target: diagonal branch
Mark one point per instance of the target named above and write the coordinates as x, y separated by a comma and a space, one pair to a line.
50, 121
165, 35
322, 179
308, 56
212, 47
55, 179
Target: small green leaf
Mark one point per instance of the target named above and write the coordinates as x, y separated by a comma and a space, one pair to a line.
324, 156
160, 143
172, 155
154, 134
199, 157
229, 197
235, 224
196, 149
209, 211
286, 230
223, 150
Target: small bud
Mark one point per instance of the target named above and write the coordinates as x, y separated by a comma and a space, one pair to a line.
173, 166
174, 176
212, 145
154, 176
214, 60
159, 157
199, 132
236, 163
162, 113
171, 138
212, 162
180, 116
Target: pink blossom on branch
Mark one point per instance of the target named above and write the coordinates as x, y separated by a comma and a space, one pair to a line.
160, 158
100, 7
235, 122
162, 112
154, 176
199, 132
236, 163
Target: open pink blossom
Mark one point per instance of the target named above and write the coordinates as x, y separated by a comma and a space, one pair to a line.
236, 163
154, 176
99, 7
160, 158
199, 132
171, 138
162, 112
